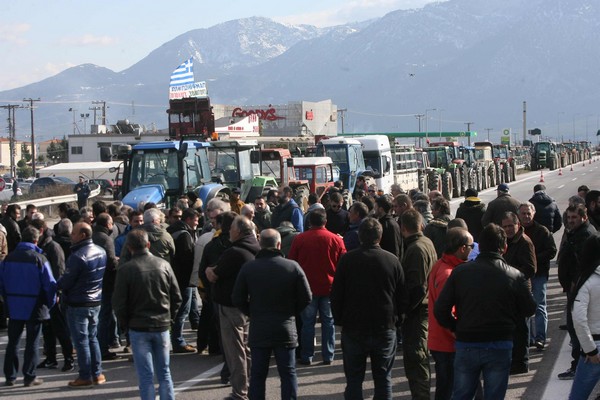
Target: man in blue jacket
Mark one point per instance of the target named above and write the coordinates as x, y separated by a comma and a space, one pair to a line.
82, 293
29, 290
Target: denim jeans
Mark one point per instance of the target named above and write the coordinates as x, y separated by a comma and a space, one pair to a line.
32, 344
444, 373
194, 316
381, 349
150, 355
285, 358
540, 320
321, 305
83, 324
470, 364
586, 377
177, 339
107, 323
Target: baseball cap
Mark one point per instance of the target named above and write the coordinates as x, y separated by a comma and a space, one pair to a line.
539, 187
236, 191
503, 188
471, 193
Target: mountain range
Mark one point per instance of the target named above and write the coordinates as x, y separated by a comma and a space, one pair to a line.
461, 60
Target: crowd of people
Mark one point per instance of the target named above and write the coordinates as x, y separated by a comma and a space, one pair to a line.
396, 271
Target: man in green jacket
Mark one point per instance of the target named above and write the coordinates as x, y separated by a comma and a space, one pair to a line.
419, 257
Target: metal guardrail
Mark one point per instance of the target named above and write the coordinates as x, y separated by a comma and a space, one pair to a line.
50, 201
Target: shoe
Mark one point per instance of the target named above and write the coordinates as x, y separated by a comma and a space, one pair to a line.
224, 381
81, 383
562, 327
68, 366
519, 369
567, 375
34, 382
9, 383
127, 349
304, 362
327, 362
48, 364
539, 345
115, 345
110, 356
100, 379
184, 349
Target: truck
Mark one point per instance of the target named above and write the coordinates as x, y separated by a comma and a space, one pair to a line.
347, 155
389, 163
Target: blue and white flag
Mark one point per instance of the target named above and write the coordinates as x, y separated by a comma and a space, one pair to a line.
183, 74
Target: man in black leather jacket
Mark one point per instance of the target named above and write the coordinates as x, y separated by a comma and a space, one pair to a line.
483, 338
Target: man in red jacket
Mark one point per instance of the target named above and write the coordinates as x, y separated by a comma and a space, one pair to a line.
317, 251
440, 341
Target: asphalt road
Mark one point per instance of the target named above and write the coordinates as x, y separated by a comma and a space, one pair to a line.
196, 376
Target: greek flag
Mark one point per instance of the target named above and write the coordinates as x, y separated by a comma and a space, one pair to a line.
183, 74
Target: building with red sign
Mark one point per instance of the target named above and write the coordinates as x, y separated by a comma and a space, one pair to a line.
296, 118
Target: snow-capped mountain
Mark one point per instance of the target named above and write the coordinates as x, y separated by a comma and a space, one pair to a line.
471, 60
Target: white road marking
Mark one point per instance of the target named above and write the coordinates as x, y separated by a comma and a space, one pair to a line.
557, 389
197, 379
561, 186
574, 179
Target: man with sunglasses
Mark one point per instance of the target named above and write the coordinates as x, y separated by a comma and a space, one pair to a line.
337, 218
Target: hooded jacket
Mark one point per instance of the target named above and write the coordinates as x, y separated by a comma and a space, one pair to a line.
53, 252
229, 265
436, 231
287, 237
471, 211
288, 212
161, 243
27, 284
546, 211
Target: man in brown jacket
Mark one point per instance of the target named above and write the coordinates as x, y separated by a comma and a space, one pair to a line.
520, 254
501, 204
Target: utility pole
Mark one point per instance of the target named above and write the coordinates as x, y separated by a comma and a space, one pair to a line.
524, 120
30, 101
12, 135
341, 111
488, 130
468, 124
419, 116
94, 109
103, 110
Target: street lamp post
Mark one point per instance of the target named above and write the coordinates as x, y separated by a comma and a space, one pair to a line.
440, 120
488, 131
419, 116
426, 122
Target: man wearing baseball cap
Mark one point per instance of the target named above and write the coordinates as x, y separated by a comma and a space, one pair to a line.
235, 202
501, 204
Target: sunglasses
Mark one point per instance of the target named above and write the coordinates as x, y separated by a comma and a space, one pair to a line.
472, 246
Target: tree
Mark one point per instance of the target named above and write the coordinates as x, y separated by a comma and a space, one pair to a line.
23, 171
25, 152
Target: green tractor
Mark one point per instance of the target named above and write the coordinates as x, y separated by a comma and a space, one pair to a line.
446, 172
543, 155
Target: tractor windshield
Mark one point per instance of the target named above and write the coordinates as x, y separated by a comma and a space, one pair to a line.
155, 167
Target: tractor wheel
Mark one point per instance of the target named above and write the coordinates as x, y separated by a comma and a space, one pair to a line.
422, 177
456, 182
477, 180
513, 171
485, 178
434, 181
465, 182
301, 197
447, 186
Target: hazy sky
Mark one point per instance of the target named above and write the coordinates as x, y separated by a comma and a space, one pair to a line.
40, 38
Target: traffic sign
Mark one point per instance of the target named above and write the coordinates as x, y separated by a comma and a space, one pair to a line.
506, 132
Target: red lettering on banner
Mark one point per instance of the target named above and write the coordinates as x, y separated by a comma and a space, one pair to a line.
266, 115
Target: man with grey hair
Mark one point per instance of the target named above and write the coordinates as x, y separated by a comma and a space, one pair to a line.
234, 323
545, 250
62, 235
161, 242
145, 300
273, 290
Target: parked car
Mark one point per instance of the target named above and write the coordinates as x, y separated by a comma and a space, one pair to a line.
47, 182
